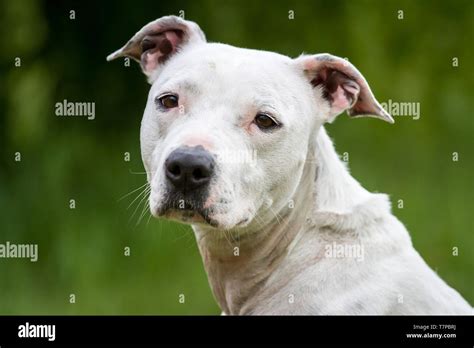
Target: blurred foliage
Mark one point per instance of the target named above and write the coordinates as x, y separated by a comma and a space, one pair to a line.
81, 250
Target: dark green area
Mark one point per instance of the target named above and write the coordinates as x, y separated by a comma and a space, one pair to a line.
82, 249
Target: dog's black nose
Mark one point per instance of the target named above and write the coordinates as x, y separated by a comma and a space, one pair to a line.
188, 168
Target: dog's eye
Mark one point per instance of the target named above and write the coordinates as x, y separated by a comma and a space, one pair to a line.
265, 122
168, 101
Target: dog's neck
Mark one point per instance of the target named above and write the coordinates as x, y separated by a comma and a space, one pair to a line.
240, 267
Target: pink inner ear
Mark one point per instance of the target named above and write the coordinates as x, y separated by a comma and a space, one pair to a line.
353, 89
339, 102
163, 45
173, 38
339, 89
360, 100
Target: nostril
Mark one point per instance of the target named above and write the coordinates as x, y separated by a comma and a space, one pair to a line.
198, 174
174, 169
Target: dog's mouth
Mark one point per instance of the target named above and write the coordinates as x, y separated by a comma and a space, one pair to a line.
199, 209
187, 210
190, 216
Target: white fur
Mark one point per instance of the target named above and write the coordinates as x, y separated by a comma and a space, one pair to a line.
298, 198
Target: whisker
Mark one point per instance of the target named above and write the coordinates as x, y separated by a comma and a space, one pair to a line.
277, 215
227, 238
259, 220
128, 194
132, 172
141, 193
182, 231
144, 196
232, 237
144, 210
149, 218
141, 173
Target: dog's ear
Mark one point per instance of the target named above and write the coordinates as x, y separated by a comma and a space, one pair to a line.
342, 85
157, 41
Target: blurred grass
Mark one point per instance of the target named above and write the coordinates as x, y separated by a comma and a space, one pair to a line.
81, 251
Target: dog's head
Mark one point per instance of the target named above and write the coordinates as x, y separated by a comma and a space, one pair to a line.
226, 130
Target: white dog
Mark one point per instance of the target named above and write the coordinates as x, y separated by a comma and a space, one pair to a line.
233, 143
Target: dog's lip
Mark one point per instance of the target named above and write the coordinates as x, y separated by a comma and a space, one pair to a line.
198, 216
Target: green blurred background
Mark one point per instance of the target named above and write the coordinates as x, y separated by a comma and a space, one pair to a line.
81, 251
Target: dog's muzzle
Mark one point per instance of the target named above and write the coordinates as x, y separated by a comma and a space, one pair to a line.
188, 172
